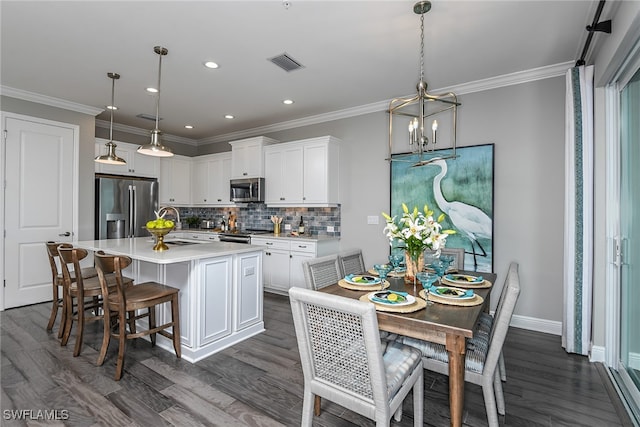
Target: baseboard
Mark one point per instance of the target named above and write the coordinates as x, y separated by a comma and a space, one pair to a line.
597, 354
538, 325
634, 361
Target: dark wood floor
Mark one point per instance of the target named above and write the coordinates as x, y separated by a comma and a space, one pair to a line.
259, 382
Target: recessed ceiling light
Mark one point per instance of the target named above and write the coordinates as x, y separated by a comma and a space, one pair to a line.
112, 107
152, 90
229, 116
288, 101
211, 64
188, 127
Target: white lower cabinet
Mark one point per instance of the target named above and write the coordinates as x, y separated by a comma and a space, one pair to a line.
283, 259
220, 300
215, 299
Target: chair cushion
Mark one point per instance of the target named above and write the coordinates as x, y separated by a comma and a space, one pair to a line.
477, 347
399, 362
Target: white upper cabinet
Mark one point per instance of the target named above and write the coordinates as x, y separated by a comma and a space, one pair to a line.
210, 180
137, 164
283, 173
175, 180
248, 157
305, 172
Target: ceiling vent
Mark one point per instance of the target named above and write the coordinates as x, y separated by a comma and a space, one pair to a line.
148, 117
286, 62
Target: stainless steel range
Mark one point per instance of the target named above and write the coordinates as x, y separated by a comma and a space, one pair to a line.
241, 236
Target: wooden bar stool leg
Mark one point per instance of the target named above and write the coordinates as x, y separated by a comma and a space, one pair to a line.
54, 308
122, 341
152, 324
68, 321
175, 317
63, 317
79, 328
317, 401
106, 336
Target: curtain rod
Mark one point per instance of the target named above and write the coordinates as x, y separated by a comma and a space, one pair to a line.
604, 26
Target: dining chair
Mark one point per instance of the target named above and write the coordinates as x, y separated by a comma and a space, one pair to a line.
57, 285
482, 351
344, 360
79, 293
121, 303
322, 271
351, 262
456, 253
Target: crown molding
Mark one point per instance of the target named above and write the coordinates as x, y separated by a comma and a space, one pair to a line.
145, 132
49, 100
505, 80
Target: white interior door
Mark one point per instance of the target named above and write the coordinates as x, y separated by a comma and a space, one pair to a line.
40, 169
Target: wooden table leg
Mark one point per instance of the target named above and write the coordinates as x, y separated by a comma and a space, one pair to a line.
456, 349
316, 405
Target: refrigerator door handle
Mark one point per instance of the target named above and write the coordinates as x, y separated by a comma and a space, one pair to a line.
132, 210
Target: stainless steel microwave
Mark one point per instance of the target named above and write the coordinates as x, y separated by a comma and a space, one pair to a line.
247, 190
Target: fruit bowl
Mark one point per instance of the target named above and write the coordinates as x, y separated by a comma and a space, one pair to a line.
159, 234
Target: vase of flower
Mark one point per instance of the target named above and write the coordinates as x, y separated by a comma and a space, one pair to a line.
416, 231
415, 264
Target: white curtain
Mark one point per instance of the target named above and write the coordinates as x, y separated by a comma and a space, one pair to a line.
578, 217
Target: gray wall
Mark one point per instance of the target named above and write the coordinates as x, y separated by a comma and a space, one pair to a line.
526, 124
87, 149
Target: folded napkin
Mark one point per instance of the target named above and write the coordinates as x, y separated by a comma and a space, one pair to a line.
370, 279
385, 300
467, 294
455, 277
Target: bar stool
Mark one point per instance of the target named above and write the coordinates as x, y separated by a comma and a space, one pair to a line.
56, 284
79, 290
121, 302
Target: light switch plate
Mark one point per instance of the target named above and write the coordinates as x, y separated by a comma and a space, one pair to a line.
287, 226
329, 228
372, 219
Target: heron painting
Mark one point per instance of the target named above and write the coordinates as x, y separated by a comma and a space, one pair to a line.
461, 188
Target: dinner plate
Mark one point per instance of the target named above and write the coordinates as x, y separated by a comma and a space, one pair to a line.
463, 279
381, 298
362, 279
451, 293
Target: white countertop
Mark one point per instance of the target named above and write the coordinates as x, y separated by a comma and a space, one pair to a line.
141, 248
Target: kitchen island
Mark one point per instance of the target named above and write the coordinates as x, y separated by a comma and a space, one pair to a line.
221, 289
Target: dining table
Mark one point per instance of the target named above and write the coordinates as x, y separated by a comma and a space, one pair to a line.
449, 325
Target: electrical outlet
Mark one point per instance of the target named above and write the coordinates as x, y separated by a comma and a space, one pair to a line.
372, 219
287, 226
329, 228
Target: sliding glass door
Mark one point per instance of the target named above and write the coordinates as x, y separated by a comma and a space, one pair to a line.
629, 367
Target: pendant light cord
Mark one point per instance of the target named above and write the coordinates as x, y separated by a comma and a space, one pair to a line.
159, 76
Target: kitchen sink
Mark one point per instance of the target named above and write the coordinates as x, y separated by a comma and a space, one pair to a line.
181, 242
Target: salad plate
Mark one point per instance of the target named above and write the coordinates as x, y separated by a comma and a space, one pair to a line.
451, 293
382, 297
463, 279
362, 279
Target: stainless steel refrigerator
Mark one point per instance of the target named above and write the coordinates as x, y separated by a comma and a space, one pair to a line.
124, 205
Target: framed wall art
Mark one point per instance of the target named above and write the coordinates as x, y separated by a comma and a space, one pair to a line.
461, 188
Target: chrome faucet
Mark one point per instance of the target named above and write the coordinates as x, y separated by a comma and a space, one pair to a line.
163, 210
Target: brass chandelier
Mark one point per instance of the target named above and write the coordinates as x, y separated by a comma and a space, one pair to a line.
426, 114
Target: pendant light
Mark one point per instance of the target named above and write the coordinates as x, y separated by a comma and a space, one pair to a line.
155, 147
111, 157
423, 110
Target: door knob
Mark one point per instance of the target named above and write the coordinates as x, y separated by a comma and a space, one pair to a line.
67, 234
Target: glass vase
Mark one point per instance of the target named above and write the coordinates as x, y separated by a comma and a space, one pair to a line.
414, 265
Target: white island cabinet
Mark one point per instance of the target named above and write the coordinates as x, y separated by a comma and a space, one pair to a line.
221, 288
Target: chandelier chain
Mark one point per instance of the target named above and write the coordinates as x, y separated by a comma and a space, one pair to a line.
422, 47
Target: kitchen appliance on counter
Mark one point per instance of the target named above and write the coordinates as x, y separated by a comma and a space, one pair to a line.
124, 205
207, 224
243, 236
247, 190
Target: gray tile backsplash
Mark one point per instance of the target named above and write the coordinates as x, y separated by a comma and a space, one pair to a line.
256, 215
